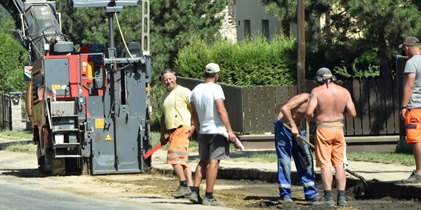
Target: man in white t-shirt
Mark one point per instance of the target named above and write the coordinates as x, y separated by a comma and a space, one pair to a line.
211, 120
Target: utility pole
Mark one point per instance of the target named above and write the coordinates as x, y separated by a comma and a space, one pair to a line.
301, 58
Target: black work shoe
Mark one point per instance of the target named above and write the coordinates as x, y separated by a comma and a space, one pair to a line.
341, 201
182, 192
324, 201
212, 202
195, 198
286, 200
414, 178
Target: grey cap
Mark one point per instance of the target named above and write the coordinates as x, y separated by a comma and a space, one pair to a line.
410, 41
324, 72
212, 68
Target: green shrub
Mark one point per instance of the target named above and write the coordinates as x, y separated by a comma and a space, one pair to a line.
252, 62
155, 101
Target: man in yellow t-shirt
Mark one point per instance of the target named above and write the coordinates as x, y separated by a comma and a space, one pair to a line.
176, 121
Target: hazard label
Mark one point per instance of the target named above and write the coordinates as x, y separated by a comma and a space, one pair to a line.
108, 137
99, 123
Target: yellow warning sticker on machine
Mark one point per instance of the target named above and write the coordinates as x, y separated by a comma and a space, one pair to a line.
108, 137
99, 123
56, 87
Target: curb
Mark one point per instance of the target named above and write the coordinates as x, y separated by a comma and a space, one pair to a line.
4, 145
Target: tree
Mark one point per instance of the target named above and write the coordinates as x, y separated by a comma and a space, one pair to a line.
354, 27
11, 64
13, 57
172, 24
3, 17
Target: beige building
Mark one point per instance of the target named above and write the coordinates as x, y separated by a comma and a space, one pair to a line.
251, 18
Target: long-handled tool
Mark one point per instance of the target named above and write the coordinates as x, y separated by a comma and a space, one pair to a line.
150, 152
154, 149
365, 185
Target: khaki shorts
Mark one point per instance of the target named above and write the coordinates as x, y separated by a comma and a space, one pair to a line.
330, 144
413, 126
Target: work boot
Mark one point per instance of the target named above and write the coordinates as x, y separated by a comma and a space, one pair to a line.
414, 178
195, 198
316, 198
182, 192
341, 201
286, 200
212, 202
324, 201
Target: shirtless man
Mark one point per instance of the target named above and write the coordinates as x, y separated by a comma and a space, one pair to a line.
329, 104
292, 114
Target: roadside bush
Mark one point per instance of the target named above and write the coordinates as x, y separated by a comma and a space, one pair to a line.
252, 62
155, 98
367, 65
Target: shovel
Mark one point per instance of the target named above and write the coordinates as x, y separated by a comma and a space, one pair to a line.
365, 185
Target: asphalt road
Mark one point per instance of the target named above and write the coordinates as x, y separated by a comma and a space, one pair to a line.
14, 196
22, 187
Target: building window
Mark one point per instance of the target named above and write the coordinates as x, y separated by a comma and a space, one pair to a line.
247, 30
265, 28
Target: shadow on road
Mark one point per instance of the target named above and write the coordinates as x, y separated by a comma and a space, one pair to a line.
25, 172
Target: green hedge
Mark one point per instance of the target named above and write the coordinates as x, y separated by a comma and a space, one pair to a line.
252, 62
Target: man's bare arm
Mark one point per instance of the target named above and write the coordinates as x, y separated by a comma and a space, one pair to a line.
220, 107
195, 117
407, 92
312, 104
293, 103
350, 107
163, 128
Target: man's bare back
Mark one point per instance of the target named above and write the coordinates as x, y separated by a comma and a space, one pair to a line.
331, 102
293, 112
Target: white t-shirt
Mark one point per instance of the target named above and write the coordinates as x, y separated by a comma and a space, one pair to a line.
203, 96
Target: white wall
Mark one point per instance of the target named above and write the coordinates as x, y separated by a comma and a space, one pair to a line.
254, 12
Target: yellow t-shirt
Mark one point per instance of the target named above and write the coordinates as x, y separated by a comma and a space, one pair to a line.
176, 107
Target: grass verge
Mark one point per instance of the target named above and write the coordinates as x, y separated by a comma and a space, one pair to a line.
16, 135
20, 147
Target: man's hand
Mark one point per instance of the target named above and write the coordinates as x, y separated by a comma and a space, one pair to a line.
294, 130
232, 137
402, 114
190, 131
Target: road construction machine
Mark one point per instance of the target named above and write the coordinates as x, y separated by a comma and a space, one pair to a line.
88, 108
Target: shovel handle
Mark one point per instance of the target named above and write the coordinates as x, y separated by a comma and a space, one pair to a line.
299, 136
347, 170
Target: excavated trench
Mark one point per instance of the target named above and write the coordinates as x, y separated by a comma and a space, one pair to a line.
254, 189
